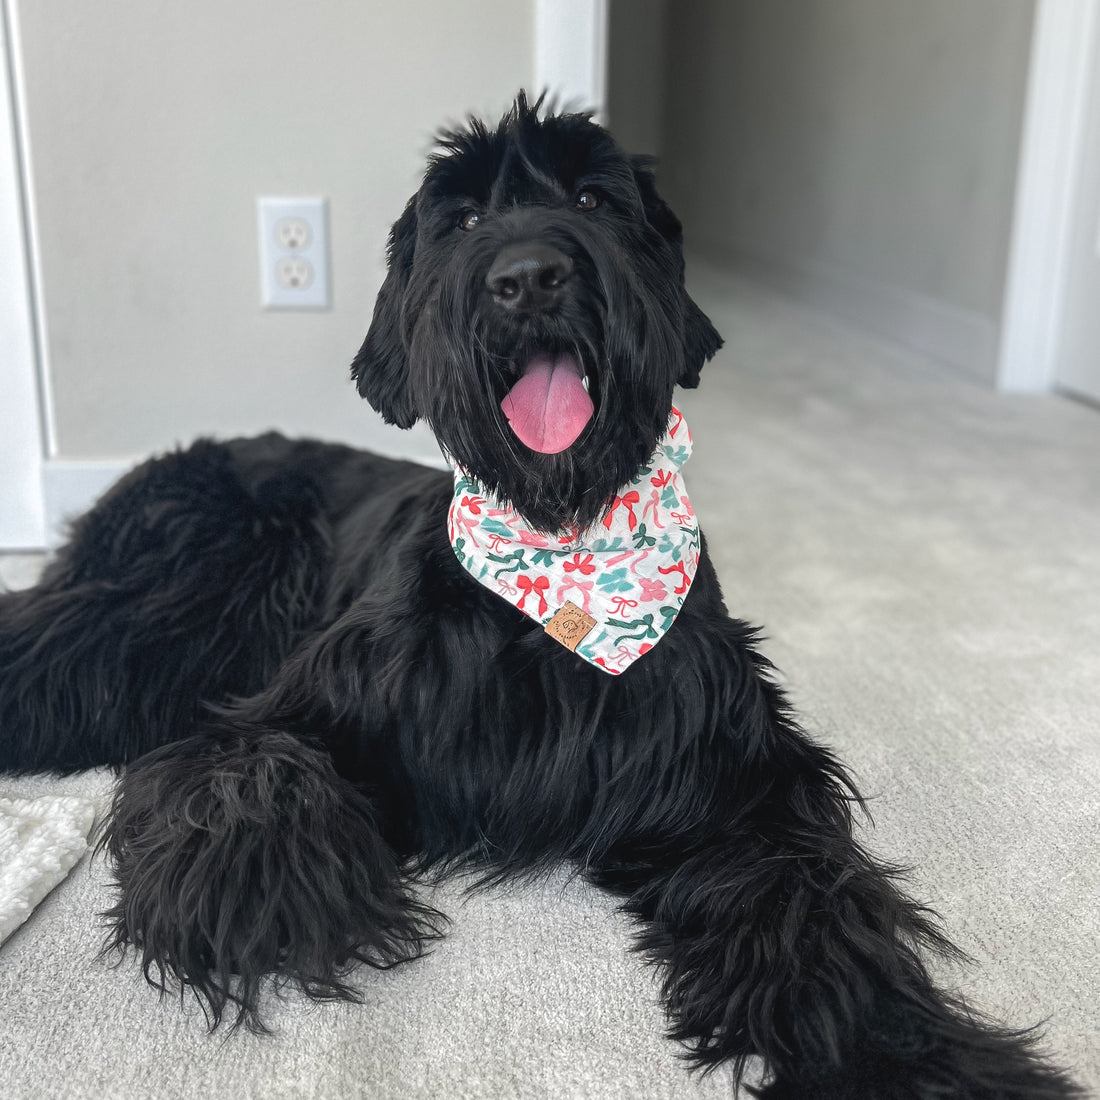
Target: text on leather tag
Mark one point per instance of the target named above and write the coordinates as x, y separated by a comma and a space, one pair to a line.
570, 625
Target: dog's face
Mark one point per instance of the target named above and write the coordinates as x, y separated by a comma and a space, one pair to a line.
534, 314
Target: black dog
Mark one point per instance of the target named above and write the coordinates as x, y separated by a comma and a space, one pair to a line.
312, 663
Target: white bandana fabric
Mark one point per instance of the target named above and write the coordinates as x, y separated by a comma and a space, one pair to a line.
608, 593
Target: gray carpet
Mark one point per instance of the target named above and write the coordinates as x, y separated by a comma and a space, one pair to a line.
926, 558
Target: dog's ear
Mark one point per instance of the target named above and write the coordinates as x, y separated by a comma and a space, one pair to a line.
381, 369
701, 339
657, 212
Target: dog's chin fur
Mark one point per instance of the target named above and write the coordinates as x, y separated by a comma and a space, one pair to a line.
314, 700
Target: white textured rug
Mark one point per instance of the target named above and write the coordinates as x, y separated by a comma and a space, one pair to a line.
41, 840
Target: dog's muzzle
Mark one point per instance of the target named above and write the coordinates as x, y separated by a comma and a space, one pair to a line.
549, 405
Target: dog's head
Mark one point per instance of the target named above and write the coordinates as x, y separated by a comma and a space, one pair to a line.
534, 313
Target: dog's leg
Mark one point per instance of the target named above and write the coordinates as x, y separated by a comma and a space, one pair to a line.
187, 583
243, 854
781, 937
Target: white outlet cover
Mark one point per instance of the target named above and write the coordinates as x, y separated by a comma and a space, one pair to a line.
294, 261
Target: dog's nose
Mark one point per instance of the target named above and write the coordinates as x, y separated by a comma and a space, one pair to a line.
528, 276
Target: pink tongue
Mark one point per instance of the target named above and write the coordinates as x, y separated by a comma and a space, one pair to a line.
549, 407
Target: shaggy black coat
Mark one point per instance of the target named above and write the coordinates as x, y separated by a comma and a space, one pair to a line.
314, 702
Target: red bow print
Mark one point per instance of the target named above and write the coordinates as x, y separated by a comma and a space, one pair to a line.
473, 503
580, 565
677, 568
539, 585
628, 500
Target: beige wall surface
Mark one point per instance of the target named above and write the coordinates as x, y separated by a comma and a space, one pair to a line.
871, 138
153, 127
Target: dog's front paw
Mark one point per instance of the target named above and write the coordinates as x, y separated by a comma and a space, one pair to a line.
247, 856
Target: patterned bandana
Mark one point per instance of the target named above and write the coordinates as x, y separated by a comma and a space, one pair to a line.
608, 593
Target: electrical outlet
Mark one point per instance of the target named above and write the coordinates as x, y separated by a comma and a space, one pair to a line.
293, 253
292, 233
294, 273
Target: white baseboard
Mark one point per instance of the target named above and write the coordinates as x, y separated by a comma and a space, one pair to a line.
71, 486
958, 338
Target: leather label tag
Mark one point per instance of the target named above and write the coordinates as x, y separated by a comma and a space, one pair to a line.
570, 626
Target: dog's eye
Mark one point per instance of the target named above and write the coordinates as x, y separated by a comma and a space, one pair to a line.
469, 220
586, 200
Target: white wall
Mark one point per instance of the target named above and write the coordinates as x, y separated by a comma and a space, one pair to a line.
861, 153
152, 127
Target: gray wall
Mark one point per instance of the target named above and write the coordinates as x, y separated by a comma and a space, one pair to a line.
152, 129
861, 153
636, 64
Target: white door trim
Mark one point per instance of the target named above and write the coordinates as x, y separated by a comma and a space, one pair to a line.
22, 428
1049, 164
571, 53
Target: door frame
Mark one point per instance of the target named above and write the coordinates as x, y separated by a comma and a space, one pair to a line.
571, 53
1061, 68
24, 437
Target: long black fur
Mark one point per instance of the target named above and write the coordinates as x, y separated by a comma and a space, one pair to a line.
315, 701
